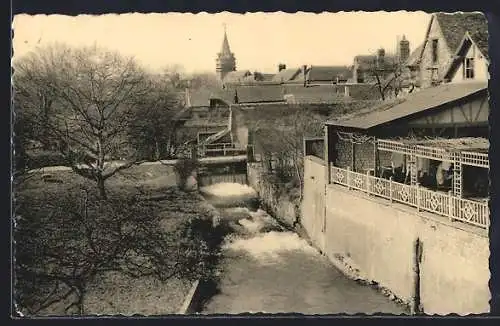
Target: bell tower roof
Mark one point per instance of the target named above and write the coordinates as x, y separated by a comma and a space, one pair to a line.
225, 62
225, 49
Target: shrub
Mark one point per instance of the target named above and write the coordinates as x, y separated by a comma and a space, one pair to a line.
40, 159
184, 168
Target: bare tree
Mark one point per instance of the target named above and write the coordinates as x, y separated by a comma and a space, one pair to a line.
282, 143
388, 76
93, 93
154, 128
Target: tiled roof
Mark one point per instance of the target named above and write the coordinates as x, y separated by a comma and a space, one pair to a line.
236, 76
328, 73
201, 97
315, 94
455, 25
367, 62
414, 103
260, 94
414, 57
268, 77
286, 75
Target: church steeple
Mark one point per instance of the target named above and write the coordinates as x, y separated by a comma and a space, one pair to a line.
226, 62
225, 44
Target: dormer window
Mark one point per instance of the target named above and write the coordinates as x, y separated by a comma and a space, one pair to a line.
469, 68
434, 51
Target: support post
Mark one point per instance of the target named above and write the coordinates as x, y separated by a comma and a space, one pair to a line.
353, 156
367, 182
417, 187
348, 178
416, 307
390, 189
451, 206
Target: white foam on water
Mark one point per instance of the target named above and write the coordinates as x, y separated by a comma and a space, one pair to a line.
267, 247
238, 210
228, 189
252, 226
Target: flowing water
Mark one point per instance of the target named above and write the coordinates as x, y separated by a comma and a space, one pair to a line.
267, 268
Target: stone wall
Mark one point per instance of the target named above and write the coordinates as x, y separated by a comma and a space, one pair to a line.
280, 206
378, 237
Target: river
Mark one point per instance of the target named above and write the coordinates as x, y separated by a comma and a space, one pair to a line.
267, 268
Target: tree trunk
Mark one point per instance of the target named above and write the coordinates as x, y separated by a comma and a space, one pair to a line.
101, 187
157, 150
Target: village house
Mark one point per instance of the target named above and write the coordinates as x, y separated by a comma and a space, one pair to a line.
447, 37
412, 172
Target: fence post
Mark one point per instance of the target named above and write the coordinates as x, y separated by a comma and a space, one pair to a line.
417, 186
390, 189
451, 209
348, 178
367, 182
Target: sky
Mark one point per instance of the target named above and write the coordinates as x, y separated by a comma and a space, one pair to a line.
260, 41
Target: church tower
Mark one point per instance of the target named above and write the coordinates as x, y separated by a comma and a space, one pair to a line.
226, 62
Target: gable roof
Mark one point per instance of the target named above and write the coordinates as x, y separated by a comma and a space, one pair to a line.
286, 75
328, 73
259, 94
461, 52
454, 26
414, 58
414, 103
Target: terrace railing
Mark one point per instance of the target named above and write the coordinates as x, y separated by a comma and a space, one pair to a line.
423, 199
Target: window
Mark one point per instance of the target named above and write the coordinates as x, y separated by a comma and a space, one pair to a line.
434, 51
469, 68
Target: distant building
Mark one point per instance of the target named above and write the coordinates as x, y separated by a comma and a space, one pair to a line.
226, 61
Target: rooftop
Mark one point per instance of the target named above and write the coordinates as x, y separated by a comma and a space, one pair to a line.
315, 94
455, 25
259, 94
328, 73
414, 103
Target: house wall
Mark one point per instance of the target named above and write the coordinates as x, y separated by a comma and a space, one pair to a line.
480, 67
444, 55
473, 111
378, 237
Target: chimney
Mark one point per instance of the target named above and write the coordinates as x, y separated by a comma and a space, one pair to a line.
304, 74
188, 98
347, 91
404, 49
380, 58
281, 66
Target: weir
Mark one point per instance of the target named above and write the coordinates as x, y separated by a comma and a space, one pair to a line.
226, 172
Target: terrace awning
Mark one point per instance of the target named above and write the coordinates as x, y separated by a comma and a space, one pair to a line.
468, 151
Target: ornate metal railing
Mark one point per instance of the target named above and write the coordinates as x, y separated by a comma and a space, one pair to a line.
423, 199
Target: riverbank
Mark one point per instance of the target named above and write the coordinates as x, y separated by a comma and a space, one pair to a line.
114, 293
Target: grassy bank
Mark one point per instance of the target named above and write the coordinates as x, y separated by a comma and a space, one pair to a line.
112, 292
